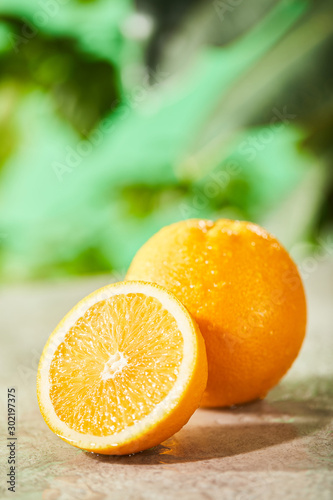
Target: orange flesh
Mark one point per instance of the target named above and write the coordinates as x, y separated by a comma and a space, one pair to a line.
115, 364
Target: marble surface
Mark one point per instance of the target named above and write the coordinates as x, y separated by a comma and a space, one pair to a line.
277, 448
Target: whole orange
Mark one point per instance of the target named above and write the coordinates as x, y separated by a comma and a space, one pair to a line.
244, 291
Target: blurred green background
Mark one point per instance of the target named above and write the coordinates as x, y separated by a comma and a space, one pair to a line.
118, 117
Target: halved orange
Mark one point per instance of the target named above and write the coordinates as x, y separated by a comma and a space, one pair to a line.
123, 371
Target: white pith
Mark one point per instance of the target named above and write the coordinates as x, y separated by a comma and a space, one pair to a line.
115, 364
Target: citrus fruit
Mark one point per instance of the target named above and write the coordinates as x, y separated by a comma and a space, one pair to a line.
245, 293
123, 371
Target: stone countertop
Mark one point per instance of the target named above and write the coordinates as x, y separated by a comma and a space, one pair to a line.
277, 448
